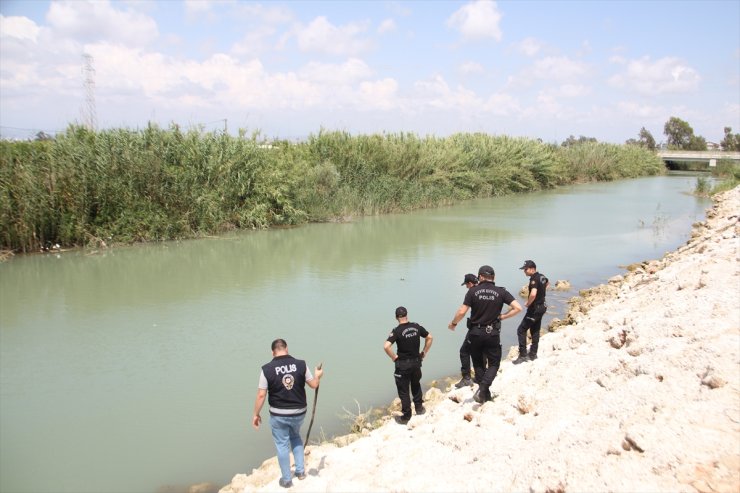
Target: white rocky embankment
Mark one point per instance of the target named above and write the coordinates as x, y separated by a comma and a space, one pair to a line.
638, 390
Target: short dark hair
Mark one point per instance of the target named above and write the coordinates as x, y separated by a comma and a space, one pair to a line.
401, 312
279, 344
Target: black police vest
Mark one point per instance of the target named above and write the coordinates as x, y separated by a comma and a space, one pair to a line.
286, 385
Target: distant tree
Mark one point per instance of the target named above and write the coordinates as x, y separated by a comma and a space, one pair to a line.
731, 142
697, 143
681, 136
646, 140
571, 141
41, 135
679, 133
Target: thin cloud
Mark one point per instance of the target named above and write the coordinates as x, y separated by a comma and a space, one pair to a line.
573, 90
549, 107
436, 93
95, 21
666, 75
258, 13
471, 68
378, 95
548, 104
586, 48
559, 68
529, 46
502, 104
477, 20
618, 60
641, 110
255, 42
197, 8
21, 28
321, 36
347, 73
398, 8
223, 80
388, 25
731, 112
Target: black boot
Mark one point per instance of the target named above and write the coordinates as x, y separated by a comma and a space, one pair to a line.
522, 358
465, 382
482, 396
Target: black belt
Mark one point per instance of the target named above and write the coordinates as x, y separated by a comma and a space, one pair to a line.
494, 327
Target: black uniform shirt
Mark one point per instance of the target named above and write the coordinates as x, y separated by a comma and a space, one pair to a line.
486, 300
407, 338
539, 282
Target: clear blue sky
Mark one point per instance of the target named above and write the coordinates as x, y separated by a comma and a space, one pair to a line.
541, 69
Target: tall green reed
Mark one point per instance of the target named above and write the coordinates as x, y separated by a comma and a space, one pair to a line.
126, 185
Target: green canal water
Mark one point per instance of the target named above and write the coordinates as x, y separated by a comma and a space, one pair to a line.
135, 369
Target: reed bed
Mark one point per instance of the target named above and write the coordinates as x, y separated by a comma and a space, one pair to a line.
124, 185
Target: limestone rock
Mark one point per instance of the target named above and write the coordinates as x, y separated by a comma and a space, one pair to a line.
711, 379
616, 279
525, 404
562, 285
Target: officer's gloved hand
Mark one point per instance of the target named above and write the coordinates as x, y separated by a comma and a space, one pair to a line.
421, 355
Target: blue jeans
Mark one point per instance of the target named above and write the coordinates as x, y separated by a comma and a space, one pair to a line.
286, 434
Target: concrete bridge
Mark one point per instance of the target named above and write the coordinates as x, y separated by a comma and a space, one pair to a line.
709, 157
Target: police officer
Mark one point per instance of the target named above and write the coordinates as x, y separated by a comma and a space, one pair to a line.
283, 381
407, 337
469, 281
536, 308
486, 300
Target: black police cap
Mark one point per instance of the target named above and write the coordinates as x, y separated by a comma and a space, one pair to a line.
469, 278
528, 264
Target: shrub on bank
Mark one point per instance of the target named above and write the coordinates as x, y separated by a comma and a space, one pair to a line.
729, 173
154, 184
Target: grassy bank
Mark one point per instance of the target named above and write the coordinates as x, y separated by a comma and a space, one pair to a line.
727, 177
146, 185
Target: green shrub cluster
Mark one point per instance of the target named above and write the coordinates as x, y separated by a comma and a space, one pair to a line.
154, 184
729, 174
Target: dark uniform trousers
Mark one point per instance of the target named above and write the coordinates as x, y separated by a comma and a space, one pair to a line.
485, 344
531, 322
465, 355
408, 374
465, 358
